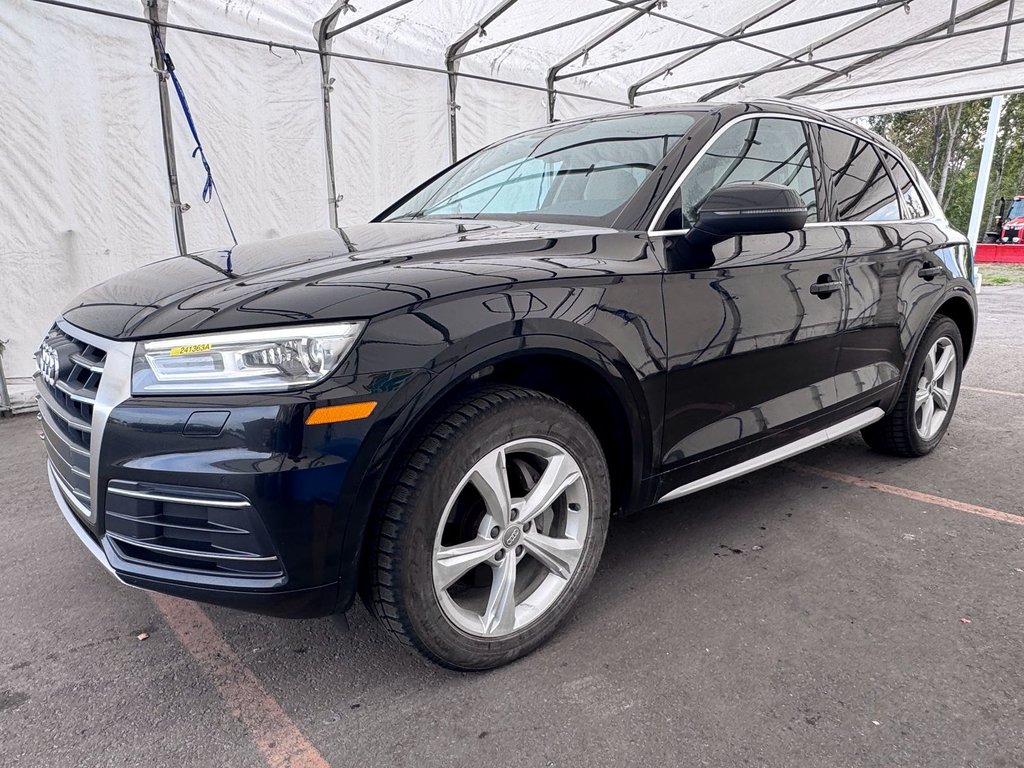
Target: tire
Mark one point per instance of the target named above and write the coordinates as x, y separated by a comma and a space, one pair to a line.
443, 509
906, 431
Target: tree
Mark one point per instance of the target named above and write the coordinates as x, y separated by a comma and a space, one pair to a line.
945, 143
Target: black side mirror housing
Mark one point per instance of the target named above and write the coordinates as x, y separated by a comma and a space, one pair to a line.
747, 208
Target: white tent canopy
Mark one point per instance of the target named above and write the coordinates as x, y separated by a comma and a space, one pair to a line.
82, 152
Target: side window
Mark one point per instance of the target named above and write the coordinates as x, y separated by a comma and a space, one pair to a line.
913, 205
765, 149
861, 189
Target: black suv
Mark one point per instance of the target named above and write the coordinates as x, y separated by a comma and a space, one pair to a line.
440, 410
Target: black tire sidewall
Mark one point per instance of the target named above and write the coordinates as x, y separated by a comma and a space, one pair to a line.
523, 417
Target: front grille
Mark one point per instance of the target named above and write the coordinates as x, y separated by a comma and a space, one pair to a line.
193, 529
67, 396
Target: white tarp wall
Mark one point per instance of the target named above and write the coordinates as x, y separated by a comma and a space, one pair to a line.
83, 183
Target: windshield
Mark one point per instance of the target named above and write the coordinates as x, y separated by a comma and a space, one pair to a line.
1016, 210
578, 171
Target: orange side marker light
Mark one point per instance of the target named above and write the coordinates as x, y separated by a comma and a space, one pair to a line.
335, 413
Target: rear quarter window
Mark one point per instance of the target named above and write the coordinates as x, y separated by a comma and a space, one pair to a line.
861, 188
910, 197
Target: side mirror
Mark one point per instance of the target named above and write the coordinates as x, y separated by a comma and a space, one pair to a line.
747, 208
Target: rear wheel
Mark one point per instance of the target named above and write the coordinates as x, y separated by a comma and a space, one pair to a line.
925, 406
492, 529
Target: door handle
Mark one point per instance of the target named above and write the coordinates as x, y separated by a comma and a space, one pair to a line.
825, 287
928, 272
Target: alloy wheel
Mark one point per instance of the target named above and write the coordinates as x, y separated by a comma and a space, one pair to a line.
935, 388
511, 537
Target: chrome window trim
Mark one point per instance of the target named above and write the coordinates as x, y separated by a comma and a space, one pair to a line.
674, 189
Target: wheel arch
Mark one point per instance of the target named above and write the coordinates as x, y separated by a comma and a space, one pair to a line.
957, 305
586, 379
959, 309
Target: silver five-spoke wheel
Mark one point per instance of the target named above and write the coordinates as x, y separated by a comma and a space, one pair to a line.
935, 388
510, 538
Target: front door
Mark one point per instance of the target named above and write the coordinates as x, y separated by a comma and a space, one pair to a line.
753, 332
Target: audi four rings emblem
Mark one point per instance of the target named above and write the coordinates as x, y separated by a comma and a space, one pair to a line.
48, 363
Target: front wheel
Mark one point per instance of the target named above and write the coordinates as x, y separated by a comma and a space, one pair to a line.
492, 529
925, 406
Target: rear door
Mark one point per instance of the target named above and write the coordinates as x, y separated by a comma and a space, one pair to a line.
894, 265
752, 349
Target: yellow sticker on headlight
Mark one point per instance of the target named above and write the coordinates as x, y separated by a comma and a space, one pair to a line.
190, 349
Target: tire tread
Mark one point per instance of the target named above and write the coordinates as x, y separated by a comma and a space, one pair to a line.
894, 434
383, 598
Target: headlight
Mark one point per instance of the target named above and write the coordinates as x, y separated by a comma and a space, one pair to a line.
242, 361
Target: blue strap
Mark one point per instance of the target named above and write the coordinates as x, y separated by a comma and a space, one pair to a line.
209, 188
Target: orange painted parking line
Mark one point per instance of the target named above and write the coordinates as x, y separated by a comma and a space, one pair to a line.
993, 391
927, 498
276, 736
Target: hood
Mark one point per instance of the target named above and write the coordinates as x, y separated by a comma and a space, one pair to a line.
350, 273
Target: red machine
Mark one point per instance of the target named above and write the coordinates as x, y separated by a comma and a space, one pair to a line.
1004, 245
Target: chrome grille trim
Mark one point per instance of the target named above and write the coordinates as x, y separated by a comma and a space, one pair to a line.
84, 362
217, 528
46, 418
189, 553
114, 388
75, 395
99, 380
90, 543
74, 470
200, 502
57, 410
70, 494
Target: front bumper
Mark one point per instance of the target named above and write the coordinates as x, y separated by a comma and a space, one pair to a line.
286, 603
231, 499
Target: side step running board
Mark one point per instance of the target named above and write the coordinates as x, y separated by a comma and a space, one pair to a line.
827, 435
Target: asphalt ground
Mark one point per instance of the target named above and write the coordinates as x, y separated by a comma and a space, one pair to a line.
845, 609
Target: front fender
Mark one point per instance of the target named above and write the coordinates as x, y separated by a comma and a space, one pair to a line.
428, 389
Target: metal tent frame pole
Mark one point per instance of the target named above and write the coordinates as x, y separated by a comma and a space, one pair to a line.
736, 29
743, 36
344, 5
984, 169
5, 396
156, 15
913, 78
930, 101
552, 75
321, 33
451, 66
324, 32
807, 50
936, 32
827, 59
624, 6
721, 35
